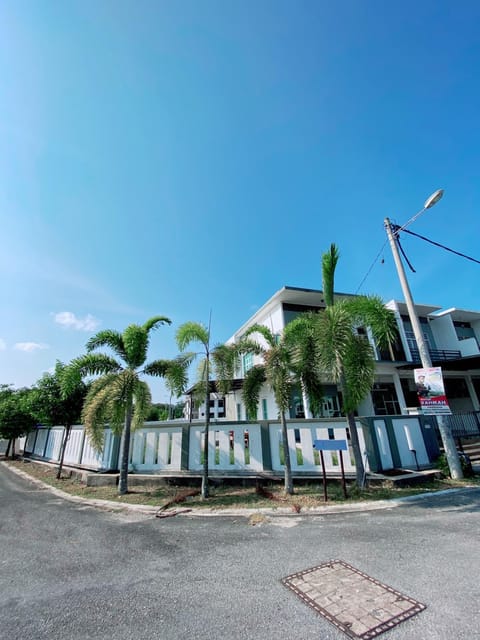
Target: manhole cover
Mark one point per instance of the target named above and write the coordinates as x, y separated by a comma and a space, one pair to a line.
359, 605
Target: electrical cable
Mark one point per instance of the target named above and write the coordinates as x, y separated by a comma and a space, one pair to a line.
437, 244
371, 267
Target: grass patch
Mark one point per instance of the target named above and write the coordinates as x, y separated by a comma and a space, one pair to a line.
307, 494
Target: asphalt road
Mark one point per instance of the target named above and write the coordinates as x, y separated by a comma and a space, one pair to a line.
70, 572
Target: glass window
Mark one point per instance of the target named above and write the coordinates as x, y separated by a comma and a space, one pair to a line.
264, 409
247, 362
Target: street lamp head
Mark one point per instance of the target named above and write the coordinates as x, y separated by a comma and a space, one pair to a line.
433, 199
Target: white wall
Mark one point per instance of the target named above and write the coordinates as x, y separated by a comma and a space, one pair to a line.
444, 333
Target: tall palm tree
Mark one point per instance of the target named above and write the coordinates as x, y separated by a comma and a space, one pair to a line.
300, 337
282, 369
218, 362
196, 332
119, 396
346, 357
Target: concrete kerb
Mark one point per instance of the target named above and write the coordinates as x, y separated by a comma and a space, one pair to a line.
109, 505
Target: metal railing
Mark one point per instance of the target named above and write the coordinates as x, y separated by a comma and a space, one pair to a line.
464, 425
437, 355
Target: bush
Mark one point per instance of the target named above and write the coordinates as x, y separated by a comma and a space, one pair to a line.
465, 461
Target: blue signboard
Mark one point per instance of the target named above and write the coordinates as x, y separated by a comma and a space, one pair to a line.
330, 445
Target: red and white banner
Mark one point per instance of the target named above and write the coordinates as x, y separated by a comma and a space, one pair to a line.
431, 391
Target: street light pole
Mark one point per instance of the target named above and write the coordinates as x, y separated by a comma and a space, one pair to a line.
445, 433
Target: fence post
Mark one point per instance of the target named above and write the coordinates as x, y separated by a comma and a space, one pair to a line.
266, 451
185, 447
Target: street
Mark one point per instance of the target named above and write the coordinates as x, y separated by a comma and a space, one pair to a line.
69, 571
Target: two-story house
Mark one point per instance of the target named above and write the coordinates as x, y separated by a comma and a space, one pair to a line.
452, 335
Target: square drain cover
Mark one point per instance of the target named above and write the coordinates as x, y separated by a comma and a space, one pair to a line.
359, 605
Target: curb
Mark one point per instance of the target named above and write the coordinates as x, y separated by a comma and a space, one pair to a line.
108, 505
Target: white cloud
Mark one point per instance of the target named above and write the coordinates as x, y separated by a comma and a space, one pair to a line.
3, 344
69, 320
30, 346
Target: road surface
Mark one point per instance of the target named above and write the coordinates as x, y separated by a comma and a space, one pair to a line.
69, 571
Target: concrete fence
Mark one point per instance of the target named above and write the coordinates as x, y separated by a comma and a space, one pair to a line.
245, 448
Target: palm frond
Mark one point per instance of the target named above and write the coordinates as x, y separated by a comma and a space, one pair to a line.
359, 372
225, 361
107, 338
89, 364
176, 375
174, 371
334, 337
252, 384
329, 263
278, 375
142, 403
156, 368
192, 332
199, 391
95, 414
249, 345
135, 339
264, 331
153, 323
371, 311
203, 370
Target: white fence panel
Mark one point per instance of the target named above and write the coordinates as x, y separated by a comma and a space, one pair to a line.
40, 442
92, 458
155, 449
54, 443
383, 444
408, 435
73, 450
30, 441
230, 448
303, 456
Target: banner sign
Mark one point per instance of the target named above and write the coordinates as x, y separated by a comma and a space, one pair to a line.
431, 391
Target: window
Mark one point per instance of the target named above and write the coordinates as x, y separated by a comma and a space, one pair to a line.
239, 411
247, 362
264, 409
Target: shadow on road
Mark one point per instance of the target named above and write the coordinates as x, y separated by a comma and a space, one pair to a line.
464, 500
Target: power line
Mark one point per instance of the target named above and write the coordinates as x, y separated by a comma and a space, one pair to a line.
371, 267
437, 244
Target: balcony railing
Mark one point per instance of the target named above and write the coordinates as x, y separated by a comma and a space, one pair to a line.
437, 355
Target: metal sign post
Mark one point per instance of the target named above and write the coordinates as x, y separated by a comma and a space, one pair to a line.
331, 445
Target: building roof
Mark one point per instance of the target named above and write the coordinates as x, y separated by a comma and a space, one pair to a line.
287, 295
461, 315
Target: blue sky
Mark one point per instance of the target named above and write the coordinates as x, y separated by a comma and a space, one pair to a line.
179, 157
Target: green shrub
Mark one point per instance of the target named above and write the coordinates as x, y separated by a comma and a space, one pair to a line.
442, 464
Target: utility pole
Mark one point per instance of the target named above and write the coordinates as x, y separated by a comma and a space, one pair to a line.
445, 433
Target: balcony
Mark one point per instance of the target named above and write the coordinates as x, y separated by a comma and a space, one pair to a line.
437, 355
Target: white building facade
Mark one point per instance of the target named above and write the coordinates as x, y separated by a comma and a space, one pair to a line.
452, 335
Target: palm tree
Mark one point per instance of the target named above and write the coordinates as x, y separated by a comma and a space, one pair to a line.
221, 361
346, 357
119, 396
196, 332
300, 336
282, 369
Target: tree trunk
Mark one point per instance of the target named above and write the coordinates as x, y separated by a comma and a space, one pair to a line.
8, 448
125, 451
357, 453
64, 446
306, 404
286, 455
13, 448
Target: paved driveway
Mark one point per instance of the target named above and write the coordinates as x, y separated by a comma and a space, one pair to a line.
73, 572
